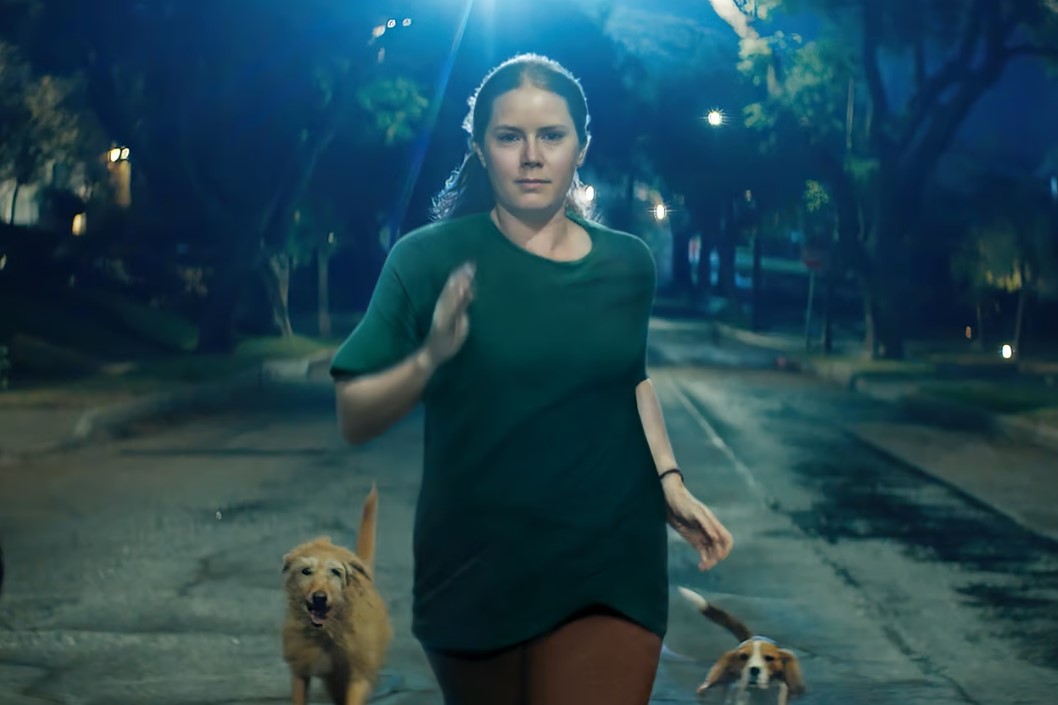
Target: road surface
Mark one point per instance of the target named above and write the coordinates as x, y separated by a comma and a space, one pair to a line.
147, 570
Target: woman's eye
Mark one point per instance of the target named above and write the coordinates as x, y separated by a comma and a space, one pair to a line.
553, 136
507, 139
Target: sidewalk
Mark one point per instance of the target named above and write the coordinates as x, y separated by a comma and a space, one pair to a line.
926, 382
60, 418
1006, 461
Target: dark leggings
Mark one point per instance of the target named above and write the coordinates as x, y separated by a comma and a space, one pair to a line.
597, 657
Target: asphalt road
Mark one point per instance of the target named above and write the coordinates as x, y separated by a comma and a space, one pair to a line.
147, 570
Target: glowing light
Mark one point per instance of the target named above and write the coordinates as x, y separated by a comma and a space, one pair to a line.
125, 153
378, 31
79, 224
660, 212
969, 332
589, 193
1007, 351
114, 154
715, 118
391, 24
406, 22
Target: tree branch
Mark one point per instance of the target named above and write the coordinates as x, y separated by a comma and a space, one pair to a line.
945, 120
955, 70
1045, 51
871, 30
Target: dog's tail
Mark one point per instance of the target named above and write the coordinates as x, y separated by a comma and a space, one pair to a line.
717, 615
365, 537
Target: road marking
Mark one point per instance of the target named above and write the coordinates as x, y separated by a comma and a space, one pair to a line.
741, 468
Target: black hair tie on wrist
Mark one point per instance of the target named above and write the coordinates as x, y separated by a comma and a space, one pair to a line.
669, 472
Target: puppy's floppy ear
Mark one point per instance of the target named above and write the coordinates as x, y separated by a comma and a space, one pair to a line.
287, 560
792, 667
723, 671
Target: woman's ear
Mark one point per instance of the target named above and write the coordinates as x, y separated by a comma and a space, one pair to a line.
583, 153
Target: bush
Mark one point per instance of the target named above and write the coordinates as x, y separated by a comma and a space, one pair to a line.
163, 328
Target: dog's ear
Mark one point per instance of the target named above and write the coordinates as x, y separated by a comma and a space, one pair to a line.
792, 668
723, 671
287, 560
352, 570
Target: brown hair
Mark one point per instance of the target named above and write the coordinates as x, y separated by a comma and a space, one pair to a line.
467, 189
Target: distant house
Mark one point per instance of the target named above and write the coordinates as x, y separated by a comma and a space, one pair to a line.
59, 202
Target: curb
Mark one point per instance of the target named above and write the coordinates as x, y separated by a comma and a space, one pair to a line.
102, 422
907, 394
757, 340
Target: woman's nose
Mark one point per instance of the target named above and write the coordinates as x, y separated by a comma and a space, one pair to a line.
531, 154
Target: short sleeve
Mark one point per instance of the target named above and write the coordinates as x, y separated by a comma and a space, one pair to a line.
387, 334
648, 281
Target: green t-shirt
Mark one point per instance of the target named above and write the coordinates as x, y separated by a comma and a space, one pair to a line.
539, 495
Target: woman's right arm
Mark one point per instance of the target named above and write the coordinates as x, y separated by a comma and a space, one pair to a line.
369, 404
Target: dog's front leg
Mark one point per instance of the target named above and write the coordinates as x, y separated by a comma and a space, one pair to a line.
301, 690
784, 692
358, 692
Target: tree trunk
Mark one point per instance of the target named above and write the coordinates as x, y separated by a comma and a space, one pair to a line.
980, 326
14, 201
827, 335
1019, 319
277, 284
756, 314
217, 332
323, 298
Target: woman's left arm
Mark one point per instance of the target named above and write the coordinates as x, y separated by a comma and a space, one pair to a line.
654, 428
690, 518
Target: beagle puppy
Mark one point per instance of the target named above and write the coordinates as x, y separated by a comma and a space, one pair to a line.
757, 662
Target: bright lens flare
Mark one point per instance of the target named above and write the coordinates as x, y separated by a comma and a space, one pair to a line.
660, 211
715, 118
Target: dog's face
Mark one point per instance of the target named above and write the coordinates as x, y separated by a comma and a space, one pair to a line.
318, 576
759, 663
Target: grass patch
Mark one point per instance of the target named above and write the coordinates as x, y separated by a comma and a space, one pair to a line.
163, 328
165, 373
1000, 398
270, 347
861, 365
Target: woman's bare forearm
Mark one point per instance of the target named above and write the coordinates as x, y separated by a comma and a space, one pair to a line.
654, 427
371, 404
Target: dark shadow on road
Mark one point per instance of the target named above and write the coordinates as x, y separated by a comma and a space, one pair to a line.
863, 495
227, 452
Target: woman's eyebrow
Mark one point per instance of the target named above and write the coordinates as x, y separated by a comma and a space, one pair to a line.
546, 128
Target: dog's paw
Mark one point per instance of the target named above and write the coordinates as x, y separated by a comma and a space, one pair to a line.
702, 688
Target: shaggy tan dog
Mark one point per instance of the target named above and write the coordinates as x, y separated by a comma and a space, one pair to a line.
337, 627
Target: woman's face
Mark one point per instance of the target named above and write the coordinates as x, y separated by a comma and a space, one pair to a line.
530, 151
